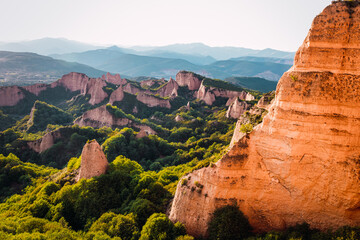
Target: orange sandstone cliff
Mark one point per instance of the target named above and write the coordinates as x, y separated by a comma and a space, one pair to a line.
302, 164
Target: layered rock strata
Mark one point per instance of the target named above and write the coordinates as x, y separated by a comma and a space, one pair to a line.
93, 161
302, 164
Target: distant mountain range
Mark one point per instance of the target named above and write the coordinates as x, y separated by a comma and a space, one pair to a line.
119, 60
165, 61
29, 68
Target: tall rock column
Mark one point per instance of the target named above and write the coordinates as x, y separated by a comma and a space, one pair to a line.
302, 164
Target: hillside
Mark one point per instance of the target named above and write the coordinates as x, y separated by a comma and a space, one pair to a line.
254, 83
28, 68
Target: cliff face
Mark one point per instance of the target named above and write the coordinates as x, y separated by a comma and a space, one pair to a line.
100, 117
10, 96
153, 101
189, 79
36, 88
302, 163
93, 161
209, 94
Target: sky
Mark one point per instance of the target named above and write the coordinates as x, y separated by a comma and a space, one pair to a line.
259, 24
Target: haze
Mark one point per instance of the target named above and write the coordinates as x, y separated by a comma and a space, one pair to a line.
278, 24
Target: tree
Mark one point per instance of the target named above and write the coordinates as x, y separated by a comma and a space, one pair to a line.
159, 227
229, 223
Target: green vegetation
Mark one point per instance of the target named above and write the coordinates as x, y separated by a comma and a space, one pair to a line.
44, 114
38, 201
255, 83
5, 121
246, 128
207, 82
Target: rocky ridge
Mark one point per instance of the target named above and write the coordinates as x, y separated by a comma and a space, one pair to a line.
302, 163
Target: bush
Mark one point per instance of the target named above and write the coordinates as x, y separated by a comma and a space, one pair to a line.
159, 226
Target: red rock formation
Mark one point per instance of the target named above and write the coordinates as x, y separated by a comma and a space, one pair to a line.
93, 161
10, 96
100, 117
189, 79
44, 143
117, 95
36, 88
169, 89
152, 101
236, 109
144, 131
302, 163
209, 94
80, 82
114, 79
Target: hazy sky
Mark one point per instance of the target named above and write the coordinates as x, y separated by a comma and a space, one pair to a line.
279, 24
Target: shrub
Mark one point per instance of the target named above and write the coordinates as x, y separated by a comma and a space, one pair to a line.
246, 128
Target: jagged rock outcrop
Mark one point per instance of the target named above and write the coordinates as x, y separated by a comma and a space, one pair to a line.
189, 79
170, 89
236, 109
10, 96
302, 164
114, 79
209, 94
153, 101
46, 142
117, 95
80, 82
93, 161
100, 117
